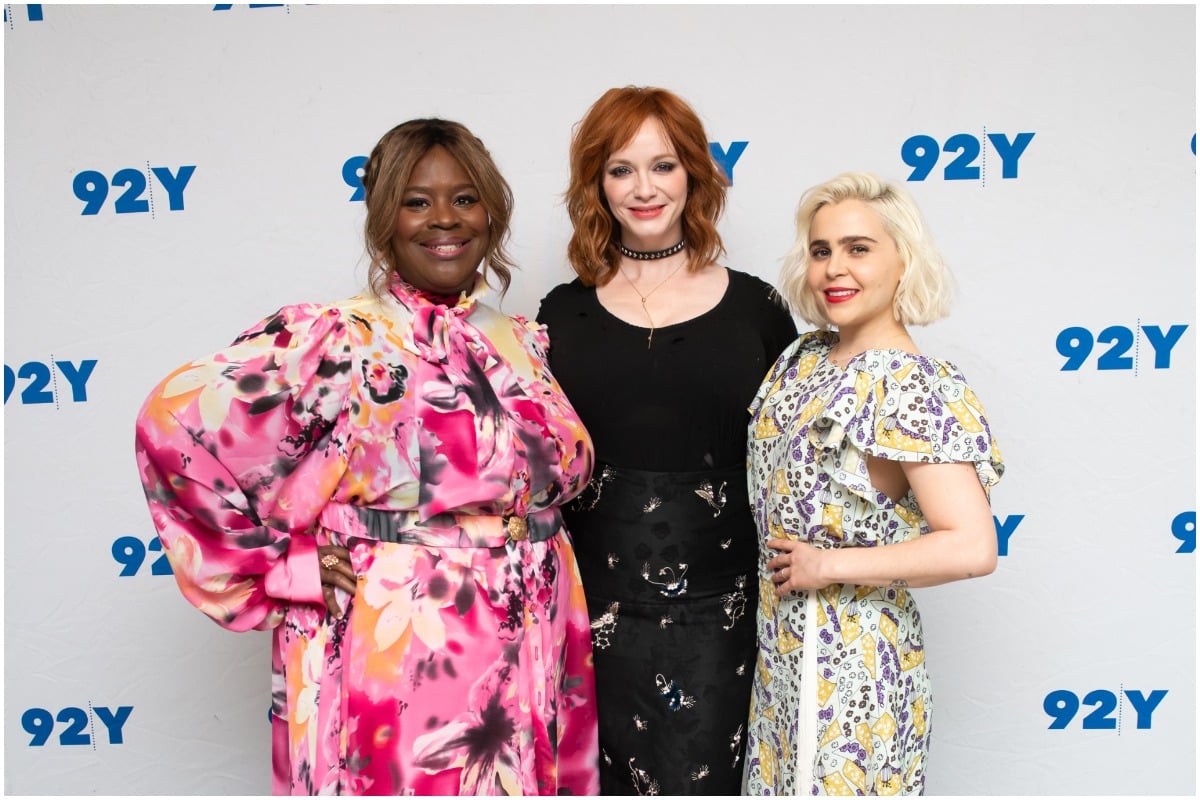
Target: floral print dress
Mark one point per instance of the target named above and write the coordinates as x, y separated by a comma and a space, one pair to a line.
431, 441
841, 700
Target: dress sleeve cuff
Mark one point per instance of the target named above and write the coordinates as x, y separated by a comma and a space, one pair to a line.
297, 576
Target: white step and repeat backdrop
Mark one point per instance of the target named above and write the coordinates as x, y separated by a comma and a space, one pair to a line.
175, 173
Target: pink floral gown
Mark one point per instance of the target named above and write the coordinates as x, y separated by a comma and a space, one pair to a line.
433, 443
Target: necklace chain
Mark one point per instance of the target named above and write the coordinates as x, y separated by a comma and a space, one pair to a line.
646, 296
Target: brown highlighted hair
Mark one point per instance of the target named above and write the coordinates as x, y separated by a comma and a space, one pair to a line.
386, 175
609, 125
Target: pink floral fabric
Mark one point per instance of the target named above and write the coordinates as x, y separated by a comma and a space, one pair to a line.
411, 433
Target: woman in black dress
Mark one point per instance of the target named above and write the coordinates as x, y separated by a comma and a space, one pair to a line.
661, 350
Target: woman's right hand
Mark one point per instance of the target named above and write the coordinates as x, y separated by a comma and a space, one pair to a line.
336, 572
796, 566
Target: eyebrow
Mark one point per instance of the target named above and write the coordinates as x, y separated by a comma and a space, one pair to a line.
845, 240
659, 157
457, 188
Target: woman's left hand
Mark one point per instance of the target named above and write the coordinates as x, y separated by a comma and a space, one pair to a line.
797, 567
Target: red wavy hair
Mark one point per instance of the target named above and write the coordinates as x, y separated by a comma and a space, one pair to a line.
609, 125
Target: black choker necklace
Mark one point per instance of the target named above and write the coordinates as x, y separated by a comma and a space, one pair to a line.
650, 255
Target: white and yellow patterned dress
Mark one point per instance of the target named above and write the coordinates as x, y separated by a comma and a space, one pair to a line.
841, 700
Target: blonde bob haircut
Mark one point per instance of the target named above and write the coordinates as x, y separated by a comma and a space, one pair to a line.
386, 175
610, 124
926, 286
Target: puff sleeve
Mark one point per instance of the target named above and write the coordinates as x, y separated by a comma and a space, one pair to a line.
238, 452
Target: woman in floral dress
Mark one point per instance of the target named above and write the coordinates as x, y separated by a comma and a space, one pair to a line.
870, 467
378, 480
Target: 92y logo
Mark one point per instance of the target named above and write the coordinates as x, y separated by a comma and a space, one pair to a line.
43, 386
727, 158
1183, 528
76, 726
1005, 530
33, 13
352, 174
131, 554
922, 153
1062, 705
92, 187
1076, 343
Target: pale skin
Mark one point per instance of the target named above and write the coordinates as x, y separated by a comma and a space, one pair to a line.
646, 188
684, 296
854, 269
961, 543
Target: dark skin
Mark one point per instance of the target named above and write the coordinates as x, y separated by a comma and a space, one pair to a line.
340, 575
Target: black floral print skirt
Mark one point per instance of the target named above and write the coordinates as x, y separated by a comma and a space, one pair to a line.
668, 565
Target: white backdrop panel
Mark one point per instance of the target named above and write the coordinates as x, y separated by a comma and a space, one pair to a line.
114, 685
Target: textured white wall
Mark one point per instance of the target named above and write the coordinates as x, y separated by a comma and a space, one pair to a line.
1092, 603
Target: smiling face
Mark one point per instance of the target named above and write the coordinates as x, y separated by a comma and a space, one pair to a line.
441, 233
854, 269
646, 188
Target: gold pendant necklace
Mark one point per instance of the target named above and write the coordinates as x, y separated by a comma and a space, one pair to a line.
646, 296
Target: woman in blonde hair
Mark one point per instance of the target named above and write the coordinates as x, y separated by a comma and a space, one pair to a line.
870, 471
660, 349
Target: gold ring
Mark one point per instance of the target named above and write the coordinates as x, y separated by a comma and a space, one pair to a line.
518, 530
330, 561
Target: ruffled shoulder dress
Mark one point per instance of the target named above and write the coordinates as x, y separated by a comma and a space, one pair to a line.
841, 700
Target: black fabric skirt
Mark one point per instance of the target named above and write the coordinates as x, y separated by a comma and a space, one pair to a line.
668, 564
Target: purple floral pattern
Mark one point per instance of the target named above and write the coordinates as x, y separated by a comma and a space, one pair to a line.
841, 701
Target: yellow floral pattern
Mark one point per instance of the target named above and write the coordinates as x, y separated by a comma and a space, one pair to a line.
842, 701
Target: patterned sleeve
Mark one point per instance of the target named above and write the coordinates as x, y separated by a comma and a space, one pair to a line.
774, 377
237, 457
908, 408
572, 467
